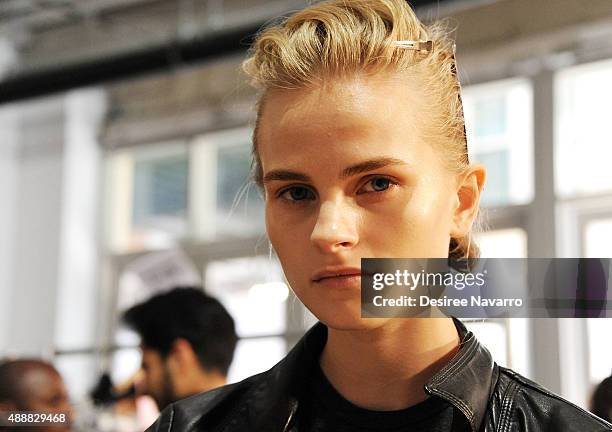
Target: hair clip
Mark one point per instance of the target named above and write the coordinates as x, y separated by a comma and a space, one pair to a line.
421, 46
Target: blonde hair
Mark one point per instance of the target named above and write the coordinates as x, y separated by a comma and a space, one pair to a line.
342, 37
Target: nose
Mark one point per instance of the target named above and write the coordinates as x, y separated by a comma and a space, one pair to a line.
336, 227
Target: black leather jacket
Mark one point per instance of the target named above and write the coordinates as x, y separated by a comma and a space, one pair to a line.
486, 397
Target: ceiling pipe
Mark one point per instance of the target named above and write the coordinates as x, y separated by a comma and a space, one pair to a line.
170, 55
128, 65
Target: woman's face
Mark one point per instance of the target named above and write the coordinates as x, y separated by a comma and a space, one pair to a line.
348, 174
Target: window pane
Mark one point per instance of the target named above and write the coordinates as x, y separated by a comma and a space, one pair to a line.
490, 116
498, 120
519, 344
254, 292
505, 243
583, 141
160, 189
600, 349
160, 192
239, 203
597, 238
146, 197
597, 234
224, 203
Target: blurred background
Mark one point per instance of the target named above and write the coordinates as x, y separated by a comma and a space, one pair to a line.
124, 161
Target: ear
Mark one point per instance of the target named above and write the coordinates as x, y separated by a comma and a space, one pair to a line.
182, 355
469, 189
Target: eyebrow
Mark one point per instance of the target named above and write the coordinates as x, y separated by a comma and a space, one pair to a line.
359, 168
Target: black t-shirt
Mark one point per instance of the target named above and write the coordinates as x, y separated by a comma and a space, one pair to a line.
323, 409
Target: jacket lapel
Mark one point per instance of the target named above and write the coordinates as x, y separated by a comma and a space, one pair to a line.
466, 382
272, 401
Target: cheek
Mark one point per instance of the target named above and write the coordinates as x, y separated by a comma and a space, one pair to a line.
270, 219
434, 218
287, 233
413, 225
273, 228
290, 239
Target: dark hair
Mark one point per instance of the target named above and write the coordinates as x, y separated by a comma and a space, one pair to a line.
186, 313
601, 404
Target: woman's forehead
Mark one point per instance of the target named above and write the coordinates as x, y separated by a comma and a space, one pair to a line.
354, 112
351, 93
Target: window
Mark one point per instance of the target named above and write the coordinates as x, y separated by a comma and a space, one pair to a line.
600, 352
147, 196
255, 294
159, 205
498, 120
503, 243
160, 191
201, 189
583, 142
224, 203
598, 233
239, 203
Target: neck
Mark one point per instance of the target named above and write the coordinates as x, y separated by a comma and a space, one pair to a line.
201, 382
385, 368
210, 382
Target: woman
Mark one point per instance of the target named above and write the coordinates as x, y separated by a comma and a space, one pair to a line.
360, 150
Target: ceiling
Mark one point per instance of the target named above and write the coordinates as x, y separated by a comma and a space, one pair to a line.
23, 18
42, 36
38, 15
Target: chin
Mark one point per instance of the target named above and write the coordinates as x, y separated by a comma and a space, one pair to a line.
346, 317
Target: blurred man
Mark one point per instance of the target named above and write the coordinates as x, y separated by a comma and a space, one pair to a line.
187, 341
35, 386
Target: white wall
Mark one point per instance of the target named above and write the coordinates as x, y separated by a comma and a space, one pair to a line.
49, 237
8, 174
35, 241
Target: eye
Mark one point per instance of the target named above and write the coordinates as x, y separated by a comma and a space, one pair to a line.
376, 184
296, 193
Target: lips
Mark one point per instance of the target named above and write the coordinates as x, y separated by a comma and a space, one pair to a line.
335, 273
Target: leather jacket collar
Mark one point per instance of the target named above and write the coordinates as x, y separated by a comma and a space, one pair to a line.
466, 382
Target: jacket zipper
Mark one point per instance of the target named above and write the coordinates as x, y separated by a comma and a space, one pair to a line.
293, 405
